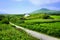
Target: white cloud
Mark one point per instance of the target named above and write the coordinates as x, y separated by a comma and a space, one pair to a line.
42, 2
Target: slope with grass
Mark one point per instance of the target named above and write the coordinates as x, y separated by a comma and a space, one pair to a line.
47, 26
56, 16
52, 29
8, 32
47, 11
38, 35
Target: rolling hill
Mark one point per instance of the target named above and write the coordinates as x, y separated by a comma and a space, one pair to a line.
48, 11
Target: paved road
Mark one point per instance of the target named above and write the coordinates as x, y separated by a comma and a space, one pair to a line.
36, 34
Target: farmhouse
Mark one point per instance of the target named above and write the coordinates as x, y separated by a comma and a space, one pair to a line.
26, 15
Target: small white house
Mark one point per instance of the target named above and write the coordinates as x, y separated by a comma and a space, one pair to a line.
26, 15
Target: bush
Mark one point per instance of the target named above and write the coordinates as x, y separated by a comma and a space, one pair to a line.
5, 21
1, 17
46, 16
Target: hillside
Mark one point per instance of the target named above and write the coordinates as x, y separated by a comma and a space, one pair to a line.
44, 10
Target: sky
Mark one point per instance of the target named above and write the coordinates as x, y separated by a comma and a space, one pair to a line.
27, 6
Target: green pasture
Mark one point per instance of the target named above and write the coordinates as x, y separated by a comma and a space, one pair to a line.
41, 20
47, 26
8, 32
56, 16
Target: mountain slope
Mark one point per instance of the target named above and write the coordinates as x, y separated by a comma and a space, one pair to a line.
44, 10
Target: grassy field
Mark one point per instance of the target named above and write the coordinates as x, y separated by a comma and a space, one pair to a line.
42, 20
47, 26
55, 16
52, 29
8, 32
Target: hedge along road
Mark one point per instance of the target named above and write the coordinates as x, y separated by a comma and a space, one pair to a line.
35, 34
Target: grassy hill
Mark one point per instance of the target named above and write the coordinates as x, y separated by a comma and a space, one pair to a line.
44, 10
47, 26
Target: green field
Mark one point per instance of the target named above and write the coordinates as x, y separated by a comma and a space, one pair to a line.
55, 16
42, 20
21, 22
52, 29
47, 26
8, 32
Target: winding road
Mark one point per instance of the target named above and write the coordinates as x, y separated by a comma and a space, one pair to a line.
36, 34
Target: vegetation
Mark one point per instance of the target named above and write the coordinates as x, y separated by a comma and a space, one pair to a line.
8, 32
39, 16
47, 11
56, 16
37, 22
43, 21
52, 29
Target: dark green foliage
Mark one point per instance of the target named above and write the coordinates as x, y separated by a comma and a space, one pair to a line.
2, 17
45, 16
5, 21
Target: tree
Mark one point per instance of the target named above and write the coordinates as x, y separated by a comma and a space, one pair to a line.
2, 17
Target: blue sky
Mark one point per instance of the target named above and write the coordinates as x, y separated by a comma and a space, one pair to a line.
26, 6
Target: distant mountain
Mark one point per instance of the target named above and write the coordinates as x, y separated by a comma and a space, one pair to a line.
48, 11
44, 9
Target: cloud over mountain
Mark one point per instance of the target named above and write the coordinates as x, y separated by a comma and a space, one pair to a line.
42, 2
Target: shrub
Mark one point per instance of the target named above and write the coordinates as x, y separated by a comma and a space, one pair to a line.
5, 21
1, 17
